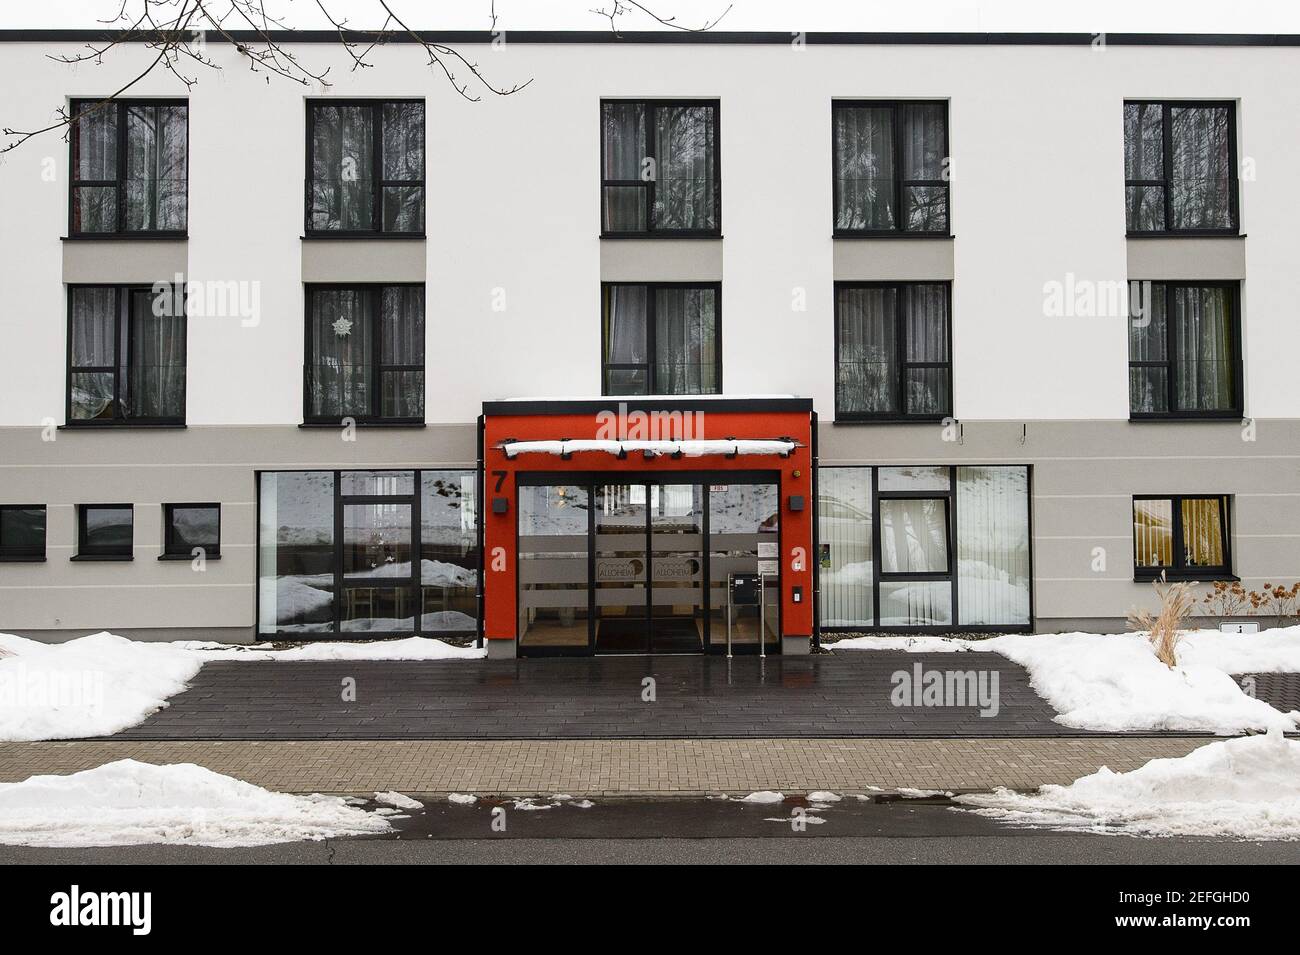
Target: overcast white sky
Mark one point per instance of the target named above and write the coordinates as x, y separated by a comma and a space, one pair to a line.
1089, 16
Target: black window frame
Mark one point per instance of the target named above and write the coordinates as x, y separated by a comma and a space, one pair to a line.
1166, 140
376, 160
119, 183
900, 416
171, 548
102, 553
20, 554
650, 364
1179, 570
378, 366
1233, 288
120, 370
649, 106
900, 183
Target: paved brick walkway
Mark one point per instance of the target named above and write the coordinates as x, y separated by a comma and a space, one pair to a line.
618, 767
831, 695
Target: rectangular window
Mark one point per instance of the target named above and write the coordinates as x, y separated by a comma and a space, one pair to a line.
1180, 167
891, 173
373, 552
659, 168
130, 167
22, 532
105, 532
126, 355
365, 354
1183, 536
192, 530
661, 339
365, 167
1184, 350
892, 347
886, 543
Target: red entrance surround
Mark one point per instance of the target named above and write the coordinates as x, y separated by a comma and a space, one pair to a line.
702, 423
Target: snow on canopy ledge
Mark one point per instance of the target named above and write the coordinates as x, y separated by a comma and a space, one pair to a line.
643, 398
691, 449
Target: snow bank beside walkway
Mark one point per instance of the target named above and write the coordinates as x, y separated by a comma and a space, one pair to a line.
1240, 788
102, 684
409, 648
1114, 683
92, 686
133, 803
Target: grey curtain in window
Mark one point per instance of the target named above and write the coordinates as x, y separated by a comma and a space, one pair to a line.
1200, 181
685, 341
401, 377
623, 131
342, 160
94, 353
1144, 159
866, 380
342, 357
993, 545
1202, 359
403, 167
684, 174
626, 336
864, 152
1148, 337
925, 320
157, 157
95, 160
923, 141
155, 381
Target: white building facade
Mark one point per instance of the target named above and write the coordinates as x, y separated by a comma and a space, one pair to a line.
1038, 296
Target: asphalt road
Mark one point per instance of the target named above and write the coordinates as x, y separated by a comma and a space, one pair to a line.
696, 831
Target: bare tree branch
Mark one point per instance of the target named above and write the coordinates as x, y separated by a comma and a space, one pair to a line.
176, 31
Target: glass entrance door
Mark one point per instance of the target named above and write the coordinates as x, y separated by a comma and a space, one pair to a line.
655, 565
621, 568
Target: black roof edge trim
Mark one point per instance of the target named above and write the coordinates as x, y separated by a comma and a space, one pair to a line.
543, 406
677, 37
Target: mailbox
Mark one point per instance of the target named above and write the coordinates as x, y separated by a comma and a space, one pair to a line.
744, 590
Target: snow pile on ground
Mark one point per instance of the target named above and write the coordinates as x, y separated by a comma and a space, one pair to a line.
763, 797
92, 686
132, 803
398, 800
1114, 683
1245, 788
409, 648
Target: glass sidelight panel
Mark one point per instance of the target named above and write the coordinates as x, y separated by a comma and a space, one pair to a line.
993, 546
844, 536
448, 552
744, 527
296, 553
677, 567
621, 568
553, 558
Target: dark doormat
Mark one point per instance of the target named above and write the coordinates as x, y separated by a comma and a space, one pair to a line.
671, 635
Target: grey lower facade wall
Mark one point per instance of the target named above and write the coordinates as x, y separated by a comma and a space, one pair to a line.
1084, 475
150, 598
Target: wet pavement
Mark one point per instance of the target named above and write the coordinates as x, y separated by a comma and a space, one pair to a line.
666, 697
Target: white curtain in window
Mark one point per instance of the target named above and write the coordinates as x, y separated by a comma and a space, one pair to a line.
993, 545
913, 536
864, 156
844, 536
685, 330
